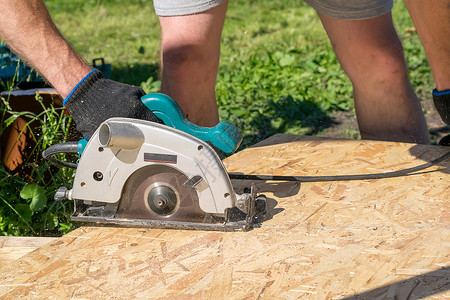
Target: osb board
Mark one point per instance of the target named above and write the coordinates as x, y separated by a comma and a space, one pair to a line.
325, 240
12, 247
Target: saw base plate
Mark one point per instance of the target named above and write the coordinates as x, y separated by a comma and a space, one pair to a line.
105, 215
214, 223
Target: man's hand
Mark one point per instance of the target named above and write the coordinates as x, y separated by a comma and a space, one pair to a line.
96, 99
442, 104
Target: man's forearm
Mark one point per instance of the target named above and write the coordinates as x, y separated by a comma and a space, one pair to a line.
28, 30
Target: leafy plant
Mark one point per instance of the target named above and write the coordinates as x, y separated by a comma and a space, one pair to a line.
36, 195
26, 205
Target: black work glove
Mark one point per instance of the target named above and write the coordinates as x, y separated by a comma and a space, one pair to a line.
96, 99
442, 104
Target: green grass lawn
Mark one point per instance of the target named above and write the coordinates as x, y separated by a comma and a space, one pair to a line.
278, 74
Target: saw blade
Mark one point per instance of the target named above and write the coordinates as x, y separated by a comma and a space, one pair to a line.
158, 192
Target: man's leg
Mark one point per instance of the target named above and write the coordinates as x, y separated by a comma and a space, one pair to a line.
432, 20
372, 56
190, 50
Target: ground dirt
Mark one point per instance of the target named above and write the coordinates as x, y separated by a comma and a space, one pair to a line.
344, 124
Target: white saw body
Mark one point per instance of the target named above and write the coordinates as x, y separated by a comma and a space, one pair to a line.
136, 172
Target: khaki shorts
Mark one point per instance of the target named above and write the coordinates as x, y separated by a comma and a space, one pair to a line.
165, 8
340, 9
351, 9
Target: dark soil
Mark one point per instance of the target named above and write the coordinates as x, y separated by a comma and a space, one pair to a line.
344, 124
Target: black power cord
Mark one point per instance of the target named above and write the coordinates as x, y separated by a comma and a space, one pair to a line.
341, 177
68, 147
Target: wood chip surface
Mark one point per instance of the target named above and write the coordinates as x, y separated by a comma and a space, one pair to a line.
381, 238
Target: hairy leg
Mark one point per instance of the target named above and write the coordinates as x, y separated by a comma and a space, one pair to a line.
372, 56
432, 20
28, 30
190, 59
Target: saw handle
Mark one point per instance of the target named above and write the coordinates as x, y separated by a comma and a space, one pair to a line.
224, 136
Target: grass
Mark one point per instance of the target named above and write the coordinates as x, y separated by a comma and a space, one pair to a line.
278, 74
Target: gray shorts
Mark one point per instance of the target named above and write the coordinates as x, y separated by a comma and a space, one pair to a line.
165, 8
352, 9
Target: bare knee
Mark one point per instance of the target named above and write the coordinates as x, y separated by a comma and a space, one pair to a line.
390, 63
383, 65
179, 53
187, 60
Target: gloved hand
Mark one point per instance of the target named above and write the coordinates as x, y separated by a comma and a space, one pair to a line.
442, 104
96, 99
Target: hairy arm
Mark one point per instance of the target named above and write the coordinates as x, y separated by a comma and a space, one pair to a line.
29, 31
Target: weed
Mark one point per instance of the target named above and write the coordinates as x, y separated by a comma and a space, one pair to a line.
26, 205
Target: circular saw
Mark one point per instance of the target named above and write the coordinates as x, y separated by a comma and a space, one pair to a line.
140, 173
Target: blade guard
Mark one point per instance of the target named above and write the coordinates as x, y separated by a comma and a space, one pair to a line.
122, 146
224, 136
